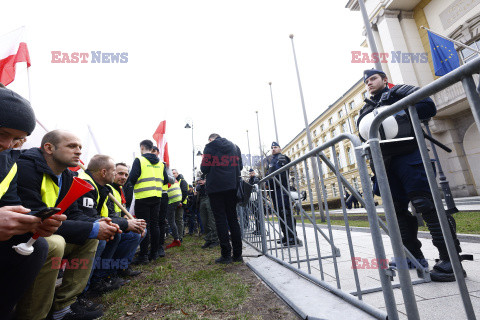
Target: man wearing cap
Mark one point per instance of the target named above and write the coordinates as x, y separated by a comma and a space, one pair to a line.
253, 180
17, 272
405, 171
280, 198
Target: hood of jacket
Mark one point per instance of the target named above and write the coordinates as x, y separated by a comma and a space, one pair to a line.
151, 157
35, 155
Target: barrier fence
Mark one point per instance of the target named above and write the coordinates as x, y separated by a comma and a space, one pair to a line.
310, 248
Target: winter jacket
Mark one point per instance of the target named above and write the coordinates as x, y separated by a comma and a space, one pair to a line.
88, 203
222, 163
7, 161
31, 168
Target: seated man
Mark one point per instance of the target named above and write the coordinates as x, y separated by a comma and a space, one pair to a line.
100, 172
129, 240
43, 181
17, 272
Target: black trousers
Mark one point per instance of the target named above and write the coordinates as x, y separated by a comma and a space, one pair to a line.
162, 223
224, 207
18, 272
149, 210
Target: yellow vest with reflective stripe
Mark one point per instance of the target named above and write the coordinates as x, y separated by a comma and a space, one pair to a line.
150, 182
174, 193
5, 184
117, 196
186, 198
49, 191
104, 210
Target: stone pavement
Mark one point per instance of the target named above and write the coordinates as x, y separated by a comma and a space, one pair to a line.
435, 300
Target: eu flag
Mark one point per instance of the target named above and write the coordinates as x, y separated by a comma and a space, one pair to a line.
445, 57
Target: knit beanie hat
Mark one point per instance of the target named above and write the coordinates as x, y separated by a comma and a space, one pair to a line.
16, 112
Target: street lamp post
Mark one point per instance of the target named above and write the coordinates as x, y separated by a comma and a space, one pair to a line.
187, 126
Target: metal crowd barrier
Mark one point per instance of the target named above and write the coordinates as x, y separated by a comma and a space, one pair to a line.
260, 219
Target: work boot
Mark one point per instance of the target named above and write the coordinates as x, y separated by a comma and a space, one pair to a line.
443, 272
77, 312
213, 244
102, 286
161, 252
206, 244
128, 272
224, 260
237, 259
175, 243
141, 259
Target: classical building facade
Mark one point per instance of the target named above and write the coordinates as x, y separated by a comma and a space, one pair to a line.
397, 28
339, 117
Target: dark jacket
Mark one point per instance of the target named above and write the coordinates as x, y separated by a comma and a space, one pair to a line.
425, 108
274, 165
183, 186
253, 180
92, 209
137, 171
222, 163
7, 160
31, 168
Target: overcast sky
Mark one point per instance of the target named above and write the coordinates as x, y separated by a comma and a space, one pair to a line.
205, 61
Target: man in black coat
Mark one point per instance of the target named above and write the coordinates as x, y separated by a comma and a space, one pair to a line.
222, 164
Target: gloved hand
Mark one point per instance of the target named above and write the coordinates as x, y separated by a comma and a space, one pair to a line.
282, 159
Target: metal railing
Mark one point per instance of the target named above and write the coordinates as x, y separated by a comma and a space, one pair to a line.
313, 247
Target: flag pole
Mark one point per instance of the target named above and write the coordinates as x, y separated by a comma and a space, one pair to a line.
450, 39
30, 98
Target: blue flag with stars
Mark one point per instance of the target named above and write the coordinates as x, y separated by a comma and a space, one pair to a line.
444, 55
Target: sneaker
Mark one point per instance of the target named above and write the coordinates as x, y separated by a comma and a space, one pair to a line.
223, 260
140, 260
88, 304
161, 252
128, 272
175, 243
237, 259
423, 262
443, 272
77, 312
213, 244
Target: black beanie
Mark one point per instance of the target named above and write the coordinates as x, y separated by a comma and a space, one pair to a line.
16, 112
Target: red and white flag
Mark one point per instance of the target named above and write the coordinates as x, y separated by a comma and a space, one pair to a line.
162, 144
12, 51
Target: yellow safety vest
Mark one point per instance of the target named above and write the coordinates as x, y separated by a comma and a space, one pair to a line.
174, 193
117, 196
186, 198
49, 191
104, 210
5, 184
150, 182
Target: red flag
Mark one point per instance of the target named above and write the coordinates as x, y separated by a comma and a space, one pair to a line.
162, 144
12, 51
390, 85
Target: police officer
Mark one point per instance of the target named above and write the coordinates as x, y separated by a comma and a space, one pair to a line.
280, 198
405, 171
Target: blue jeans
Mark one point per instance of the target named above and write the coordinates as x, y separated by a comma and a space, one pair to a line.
105, 250
128, 245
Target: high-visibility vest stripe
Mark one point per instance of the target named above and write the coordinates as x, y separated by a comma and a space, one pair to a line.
104, 209
5, 184
174, 193
49, 191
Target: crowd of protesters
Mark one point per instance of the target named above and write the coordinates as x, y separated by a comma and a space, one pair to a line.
89, 249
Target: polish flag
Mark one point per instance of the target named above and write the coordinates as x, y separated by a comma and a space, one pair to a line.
12, 51
162, 144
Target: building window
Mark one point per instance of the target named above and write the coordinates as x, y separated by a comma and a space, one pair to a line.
324, 139
350, 156
330, 121
355, 183
364, 95
340, 114
334, 189
334, 133
468, 54
314, 133
297, 146
355, 121
303, 143
351, 105
344, 127
322, 127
